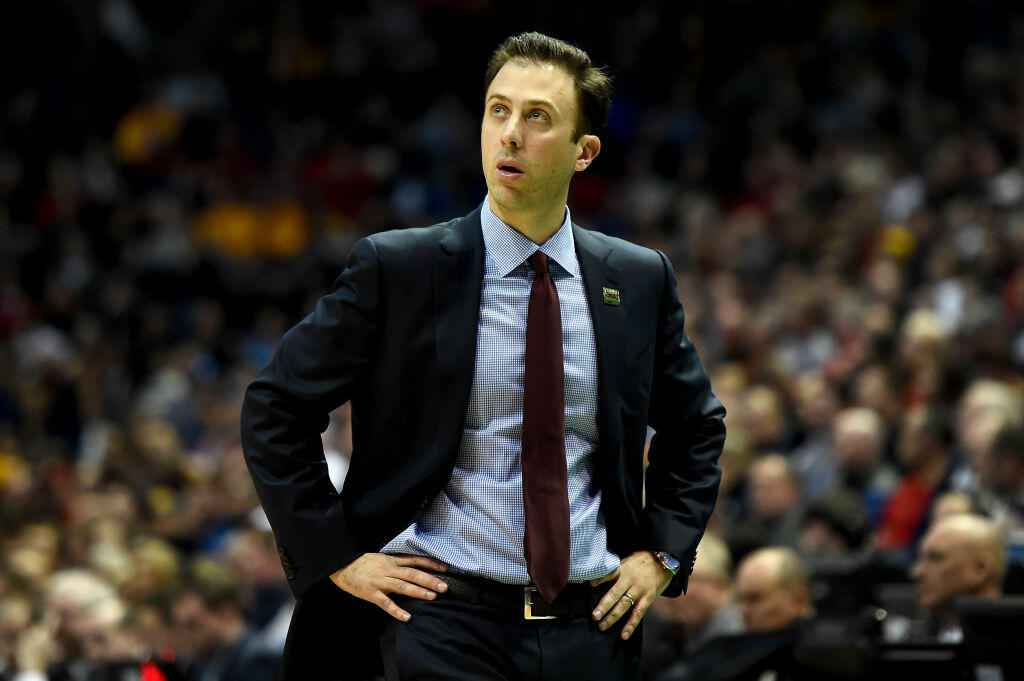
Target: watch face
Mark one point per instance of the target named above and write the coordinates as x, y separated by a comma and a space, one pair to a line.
667, 560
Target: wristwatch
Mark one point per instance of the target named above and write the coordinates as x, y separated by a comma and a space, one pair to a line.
668, 561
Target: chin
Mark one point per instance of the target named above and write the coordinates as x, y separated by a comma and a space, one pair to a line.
504, 195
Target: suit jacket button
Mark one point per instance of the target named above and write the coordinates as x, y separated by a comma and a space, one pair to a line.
285, 563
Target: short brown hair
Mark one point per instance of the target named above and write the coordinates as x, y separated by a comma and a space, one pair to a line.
593, 85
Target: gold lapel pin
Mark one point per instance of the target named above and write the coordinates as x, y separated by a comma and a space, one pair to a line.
611, 296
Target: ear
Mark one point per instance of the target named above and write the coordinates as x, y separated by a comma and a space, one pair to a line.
802, 598
590, 147
981, 569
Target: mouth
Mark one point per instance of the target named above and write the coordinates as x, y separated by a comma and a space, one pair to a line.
509, 169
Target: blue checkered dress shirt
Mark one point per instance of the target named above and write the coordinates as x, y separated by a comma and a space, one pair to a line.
476, 524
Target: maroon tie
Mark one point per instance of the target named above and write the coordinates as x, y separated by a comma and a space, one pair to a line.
545, 489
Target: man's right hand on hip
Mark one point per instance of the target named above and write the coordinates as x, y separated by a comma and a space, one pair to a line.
373, 576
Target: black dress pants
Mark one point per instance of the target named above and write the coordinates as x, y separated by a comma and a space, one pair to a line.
450, 639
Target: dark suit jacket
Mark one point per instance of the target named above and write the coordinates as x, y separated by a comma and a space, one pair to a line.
397, 337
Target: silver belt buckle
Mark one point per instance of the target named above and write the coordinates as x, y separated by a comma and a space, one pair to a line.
528, 592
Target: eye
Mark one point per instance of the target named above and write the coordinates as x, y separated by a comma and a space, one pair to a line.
498, 110
538, 115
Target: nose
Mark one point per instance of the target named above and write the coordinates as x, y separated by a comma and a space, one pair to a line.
511, 135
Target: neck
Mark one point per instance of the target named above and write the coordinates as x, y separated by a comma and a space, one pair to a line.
536, 224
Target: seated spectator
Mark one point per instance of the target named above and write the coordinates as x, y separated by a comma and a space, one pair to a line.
1004, 474
835, 525
251, 556
83, 634
923, 349
923, 450
152, 622
708, 609
833, 545
983, 410
772, 590
859, 435
678, 627
961, 555
212, 631
814, 460
873, 387
774, 510
764, 418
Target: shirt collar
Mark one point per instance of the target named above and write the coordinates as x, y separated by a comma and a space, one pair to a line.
509, 248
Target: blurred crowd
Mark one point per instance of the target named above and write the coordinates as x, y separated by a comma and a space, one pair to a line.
839, 186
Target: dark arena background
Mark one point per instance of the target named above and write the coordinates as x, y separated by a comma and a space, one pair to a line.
838, 184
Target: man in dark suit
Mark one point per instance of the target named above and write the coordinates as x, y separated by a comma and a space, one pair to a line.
502, 369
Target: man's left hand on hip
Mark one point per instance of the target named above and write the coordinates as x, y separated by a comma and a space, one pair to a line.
639, 579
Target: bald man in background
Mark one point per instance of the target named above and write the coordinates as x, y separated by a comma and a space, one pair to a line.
772, 590
961, 555
681, 626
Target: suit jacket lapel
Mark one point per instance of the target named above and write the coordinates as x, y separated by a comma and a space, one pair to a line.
609, 331
458, 282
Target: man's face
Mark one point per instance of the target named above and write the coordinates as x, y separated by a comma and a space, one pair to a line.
196, 626
945, 569
817, 538
704, 597
772, 492
526, 138
766, 606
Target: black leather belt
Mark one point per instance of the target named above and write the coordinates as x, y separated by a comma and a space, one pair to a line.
575, 600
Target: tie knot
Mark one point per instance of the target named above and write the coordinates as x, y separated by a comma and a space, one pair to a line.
539, 261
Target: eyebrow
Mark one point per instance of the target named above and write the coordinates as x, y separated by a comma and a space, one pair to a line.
531, 102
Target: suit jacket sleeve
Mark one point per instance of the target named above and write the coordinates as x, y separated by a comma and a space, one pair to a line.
683, 473
315, 369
